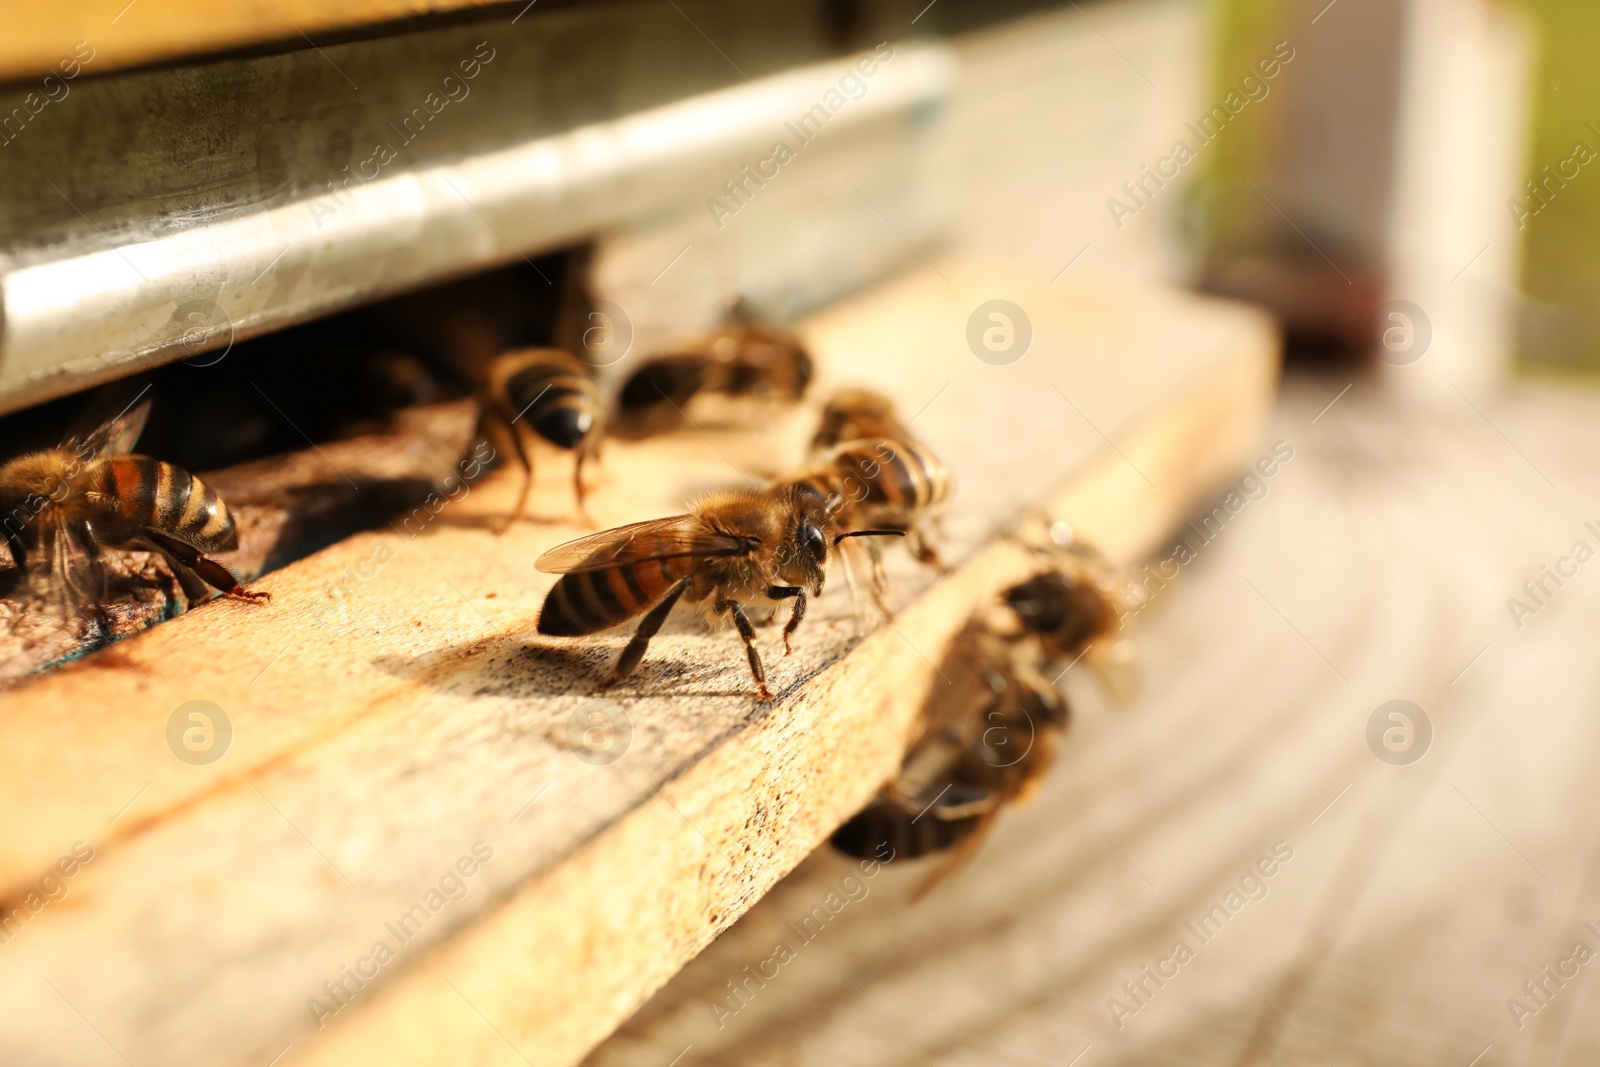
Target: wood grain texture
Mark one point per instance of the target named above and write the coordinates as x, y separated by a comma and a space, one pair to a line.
1419, 898
394, 707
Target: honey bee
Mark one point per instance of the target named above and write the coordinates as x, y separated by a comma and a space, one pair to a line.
955, 781
549, 393
854, 413
883, 476
729, 548
880, 483
989, 736
743, 360
1065, 612
884, 482
60, 508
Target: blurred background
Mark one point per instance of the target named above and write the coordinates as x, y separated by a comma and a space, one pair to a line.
1354, 672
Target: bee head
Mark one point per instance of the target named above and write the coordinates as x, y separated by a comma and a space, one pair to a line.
806, 560
812, 532
1040, 602
1051, 603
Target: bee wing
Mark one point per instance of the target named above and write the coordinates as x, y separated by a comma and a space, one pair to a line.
673, 537
71, 577
960, 854
112, 422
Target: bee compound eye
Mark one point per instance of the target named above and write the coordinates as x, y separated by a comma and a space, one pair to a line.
814, 542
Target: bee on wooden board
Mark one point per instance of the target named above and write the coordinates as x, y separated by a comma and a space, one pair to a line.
748, 362
884, 482
883, 479
60, 508
989, 735
730, 548
551, 394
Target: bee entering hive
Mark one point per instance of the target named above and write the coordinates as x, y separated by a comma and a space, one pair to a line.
251, 457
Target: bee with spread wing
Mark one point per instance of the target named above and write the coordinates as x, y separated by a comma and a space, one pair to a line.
729, 548
61, 507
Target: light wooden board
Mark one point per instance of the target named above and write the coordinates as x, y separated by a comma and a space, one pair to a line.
1419, 899
389, 715
38, 36
281, 506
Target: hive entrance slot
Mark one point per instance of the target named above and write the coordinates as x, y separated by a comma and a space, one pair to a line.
308, 435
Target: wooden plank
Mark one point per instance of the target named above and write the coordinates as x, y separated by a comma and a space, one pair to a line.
394, 708
38, 37
282, 506
1420, 897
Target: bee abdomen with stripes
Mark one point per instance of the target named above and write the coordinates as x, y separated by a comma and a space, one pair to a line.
586, 602
553, 394
909, 827
147, 494
896, 476
558, 393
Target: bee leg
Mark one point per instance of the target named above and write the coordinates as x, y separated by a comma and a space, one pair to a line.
521, 453
19, 558
748, 633
634, 652
880, 579
782, 592
192, 588
922, 549
19, 548
95, 576
213, 573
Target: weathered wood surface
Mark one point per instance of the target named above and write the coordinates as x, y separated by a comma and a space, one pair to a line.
1419, 898
283, 507
394, 707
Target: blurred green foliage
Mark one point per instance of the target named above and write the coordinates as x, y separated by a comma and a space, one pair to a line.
1242, 31
1561, 265
1560, 324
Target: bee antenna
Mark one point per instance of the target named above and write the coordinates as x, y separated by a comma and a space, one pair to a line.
869, 533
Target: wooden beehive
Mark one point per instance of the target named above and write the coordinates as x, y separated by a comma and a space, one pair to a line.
384, 729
